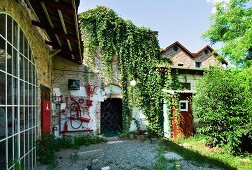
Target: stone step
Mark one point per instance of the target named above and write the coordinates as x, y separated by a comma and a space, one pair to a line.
172, 156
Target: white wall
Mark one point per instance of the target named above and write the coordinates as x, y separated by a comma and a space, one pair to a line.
188, 78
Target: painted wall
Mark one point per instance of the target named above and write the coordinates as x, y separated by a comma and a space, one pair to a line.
62, 71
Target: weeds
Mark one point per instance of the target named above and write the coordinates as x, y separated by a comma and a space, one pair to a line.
161, 162
47, 146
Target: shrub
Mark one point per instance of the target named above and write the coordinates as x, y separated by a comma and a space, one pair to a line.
223, 104
48, 145
46, 148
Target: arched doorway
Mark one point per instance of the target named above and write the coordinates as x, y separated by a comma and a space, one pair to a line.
18, 97
111, 117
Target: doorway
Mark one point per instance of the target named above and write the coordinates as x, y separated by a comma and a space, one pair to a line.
111, 117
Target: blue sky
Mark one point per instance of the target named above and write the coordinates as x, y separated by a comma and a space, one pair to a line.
175, 20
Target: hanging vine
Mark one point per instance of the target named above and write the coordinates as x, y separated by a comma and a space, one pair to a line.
138, 50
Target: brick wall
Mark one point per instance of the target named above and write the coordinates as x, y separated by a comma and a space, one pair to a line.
20, 13
181, 57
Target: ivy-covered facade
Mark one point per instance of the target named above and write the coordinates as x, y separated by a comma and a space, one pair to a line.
137, 52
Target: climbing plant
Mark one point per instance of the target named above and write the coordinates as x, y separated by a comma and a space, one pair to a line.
138, 51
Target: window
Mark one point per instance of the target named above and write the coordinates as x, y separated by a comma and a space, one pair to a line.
206, 51
183, 105
198, 64
18, 97
180, 64
186, 86
175, 48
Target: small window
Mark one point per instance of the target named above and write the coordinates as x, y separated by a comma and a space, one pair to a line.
186, 86
175, 48
198, 64
206, 51
183, 105
180, 64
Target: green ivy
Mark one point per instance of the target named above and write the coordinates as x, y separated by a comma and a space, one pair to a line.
138, 50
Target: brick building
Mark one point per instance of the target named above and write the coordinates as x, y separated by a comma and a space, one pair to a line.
186, 68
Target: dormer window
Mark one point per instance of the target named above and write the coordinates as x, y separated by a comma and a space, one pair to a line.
175, 48
206, 51
180, 64
197, 64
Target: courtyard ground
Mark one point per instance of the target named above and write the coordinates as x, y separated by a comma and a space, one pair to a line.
122, 155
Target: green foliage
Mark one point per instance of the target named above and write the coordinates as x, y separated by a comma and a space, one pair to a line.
138, 51
223, 105
18, 165
161, 162
232, 25
195, 149
87, 140
46, 149
48, 145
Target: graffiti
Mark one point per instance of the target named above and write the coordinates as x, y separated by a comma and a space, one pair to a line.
73, 113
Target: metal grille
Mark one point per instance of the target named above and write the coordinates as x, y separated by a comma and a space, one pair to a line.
18, 97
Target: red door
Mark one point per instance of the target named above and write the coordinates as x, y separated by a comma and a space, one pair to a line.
46, 116
184, 126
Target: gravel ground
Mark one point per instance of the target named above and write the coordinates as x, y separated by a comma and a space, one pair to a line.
118, 155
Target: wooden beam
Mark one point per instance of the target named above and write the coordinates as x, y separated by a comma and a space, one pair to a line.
49, 20
54, 31
63, 49
56, 5
77, 30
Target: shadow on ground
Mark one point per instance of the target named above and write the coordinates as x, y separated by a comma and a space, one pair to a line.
196, 156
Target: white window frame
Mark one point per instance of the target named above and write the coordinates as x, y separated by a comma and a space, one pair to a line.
186, 102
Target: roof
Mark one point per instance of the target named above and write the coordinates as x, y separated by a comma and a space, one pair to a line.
192, 55
186, 70
59, 20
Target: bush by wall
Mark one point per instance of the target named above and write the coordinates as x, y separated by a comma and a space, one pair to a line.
223, 105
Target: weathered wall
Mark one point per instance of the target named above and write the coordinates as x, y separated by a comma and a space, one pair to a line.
90, 72
62, 71
19, 12
189, 78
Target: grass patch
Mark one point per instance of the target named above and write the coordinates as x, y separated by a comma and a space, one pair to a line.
162, 163
194, 149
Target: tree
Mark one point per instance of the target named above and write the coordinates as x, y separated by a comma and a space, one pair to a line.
223, 104
232, 26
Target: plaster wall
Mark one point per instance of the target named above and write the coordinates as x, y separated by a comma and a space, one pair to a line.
189, 78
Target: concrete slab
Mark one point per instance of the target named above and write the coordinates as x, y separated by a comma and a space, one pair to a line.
172, 156
112, 142
91, 154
